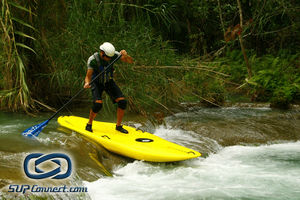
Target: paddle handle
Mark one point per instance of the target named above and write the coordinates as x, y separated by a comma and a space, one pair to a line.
106, 68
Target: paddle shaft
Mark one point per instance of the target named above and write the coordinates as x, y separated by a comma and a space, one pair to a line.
119, 56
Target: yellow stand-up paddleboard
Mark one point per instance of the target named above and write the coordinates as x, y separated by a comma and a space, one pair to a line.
136, 144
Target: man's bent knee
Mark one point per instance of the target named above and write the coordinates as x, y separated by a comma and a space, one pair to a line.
97, 105
122, 104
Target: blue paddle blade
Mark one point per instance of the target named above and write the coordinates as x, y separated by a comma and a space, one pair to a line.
34, 131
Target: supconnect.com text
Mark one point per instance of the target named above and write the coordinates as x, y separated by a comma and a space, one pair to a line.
36, 188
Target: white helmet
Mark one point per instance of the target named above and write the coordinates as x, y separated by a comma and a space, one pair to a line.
108, 49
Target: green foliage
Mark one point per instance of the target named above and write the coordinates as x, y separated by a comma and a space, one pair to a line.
277, 79
15, 93
233, 64
283, 96
47, 61
87, 25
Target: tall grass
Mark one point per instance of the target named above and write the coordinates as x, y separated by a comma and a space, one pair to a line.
157, 80
69, 31
15, 93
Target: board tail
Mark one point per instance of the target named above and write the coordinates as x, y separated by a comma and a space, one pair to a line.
34, 131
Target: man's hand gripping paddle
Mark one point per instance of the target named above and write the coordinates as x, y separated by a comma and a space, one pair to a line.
35, 130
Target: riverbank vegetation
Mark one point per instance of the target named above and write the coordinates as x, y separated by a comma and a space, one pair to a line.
184, 51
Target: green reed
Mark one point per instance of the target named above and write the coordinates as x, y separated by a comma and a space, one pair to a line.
15, 93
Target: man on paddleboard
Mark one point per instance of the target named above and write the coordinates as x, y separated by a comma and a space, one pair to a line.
105, 82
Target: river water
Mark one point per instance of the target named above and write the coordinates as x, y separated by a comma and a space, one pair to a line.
248, 153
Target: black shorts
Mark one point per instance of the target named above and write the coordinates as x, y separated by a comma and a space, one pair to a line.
109, 87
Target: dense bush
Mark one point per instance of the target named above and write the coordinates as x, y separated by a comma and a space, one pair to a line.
275, 77
46, 45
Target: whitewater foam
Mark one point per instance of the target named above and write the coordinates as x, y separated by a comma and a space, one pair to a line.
233, 173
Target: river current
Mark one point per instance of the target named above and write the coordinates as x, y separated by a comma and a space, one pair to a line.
248, 153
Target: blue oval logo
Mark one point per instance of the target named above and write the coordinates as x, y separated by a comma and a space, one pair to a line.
41, 158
